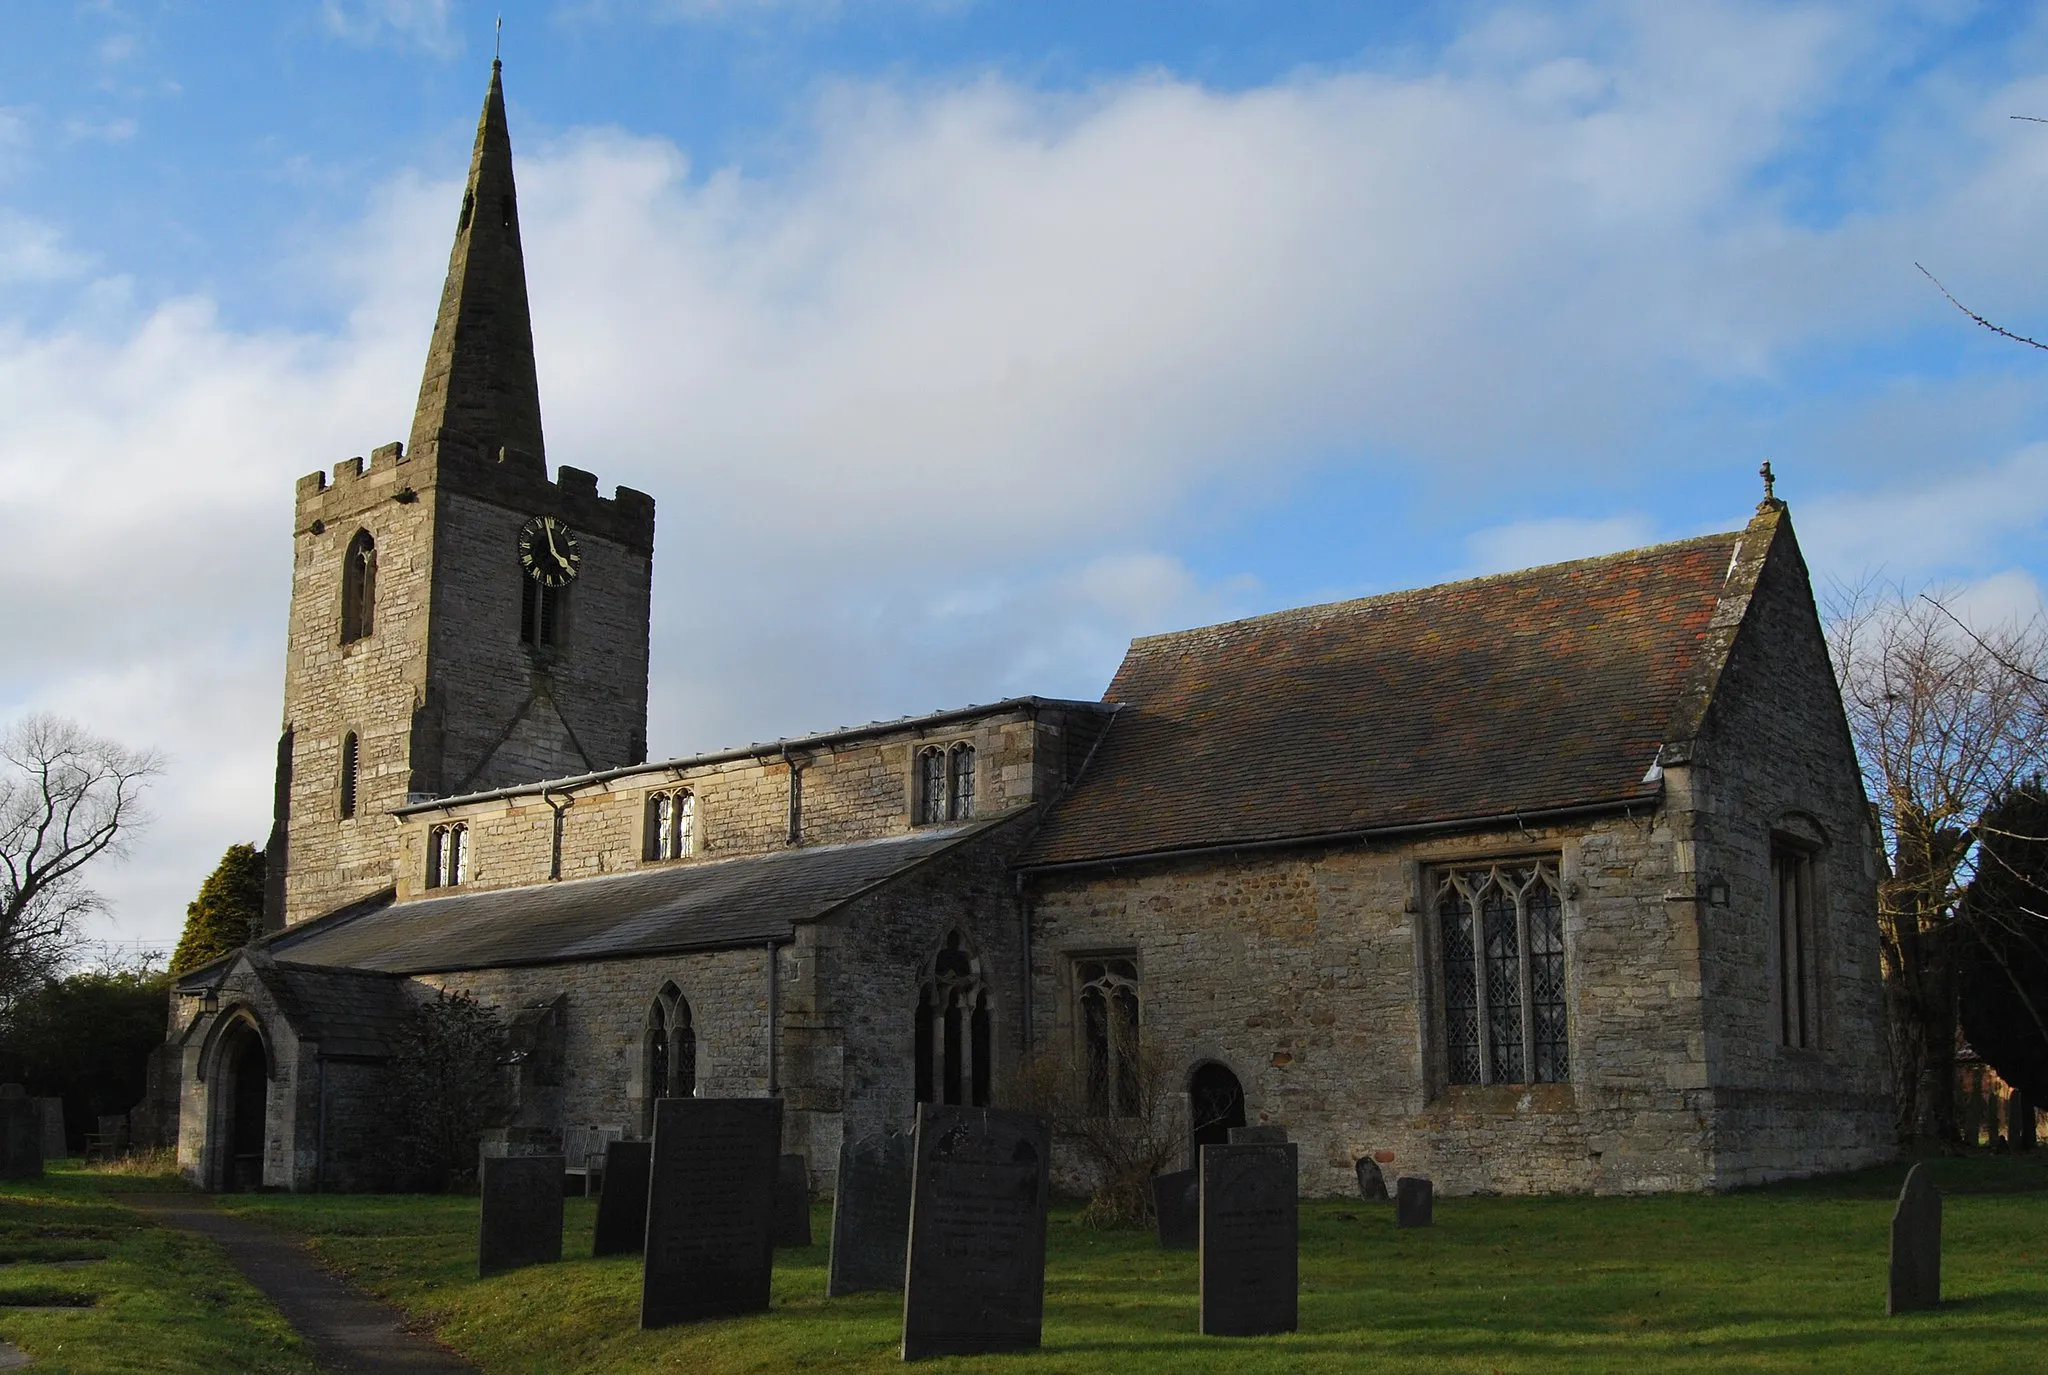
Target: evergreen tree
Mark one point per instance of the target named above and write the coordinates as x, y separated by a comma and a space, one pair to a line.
2003, 975
227, 913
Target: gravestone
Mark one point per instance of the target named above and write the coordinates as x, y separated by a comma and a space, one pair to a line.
1916, 1246
710, 1205
975, 1278
21, 1134
1414, 1202
870, 1214
52, 1109
1177, 1200
1372, 1184
622, 1207
1250, 1239
792, 1201
522, 1213
1258, 1136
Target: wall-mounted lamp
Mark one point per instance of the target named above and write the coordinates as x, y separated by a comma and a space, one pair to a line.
209, 1000
1717, 892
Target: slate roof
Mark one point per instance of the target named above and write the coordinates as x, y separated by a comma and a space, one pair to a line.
709, 904
1526, 692
349, 1012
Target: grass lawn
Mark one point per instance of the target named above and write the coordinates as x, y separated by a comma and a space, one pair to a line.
89, 1286
1786, 1278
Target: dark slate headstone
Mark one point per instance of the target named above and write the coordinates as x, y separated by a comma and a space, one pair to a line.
975, 1278
1916, 1246
710, 1203
1177, 1199
1258, 1136
522, 1213
52, 1110
792, 1201
1250, 1240
1414, 1202
1372, 1185
622, 1207
21, 1134
870, 1214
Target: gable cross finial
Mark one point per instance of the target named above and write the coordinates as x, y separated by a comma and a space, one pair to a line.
498, 42
1770, 482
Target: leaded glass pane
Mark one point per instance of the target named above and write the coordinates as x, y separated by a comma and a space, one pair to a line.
1552, 1064
963, 781
931, 786
686, 825
1461, 992
1503, 983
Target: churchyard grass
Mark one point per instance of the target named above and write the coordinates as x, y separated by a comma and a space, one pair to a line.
155, 1299
1791, 1276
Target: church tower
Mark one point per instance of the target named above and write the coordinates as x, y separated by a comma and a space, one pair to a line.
458, 622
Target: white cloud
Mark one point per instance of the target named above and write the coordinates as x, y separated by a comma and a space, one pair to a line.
1958, 518
33, 251
1554, 539
423, 24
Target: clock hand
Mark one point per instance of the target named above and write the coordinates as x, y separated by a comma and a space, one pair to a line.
550, 531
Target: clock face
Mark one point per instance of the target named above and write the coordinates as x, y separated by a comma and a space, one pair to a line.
548, 551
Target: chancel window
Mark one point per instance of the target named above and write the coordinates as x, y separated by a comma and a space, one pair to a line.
954, 1036
671, 824
359, 588
1500, 934
669, 1058
1792, 914
945, 783
541, 611
1108, 997
448, 855
351, 749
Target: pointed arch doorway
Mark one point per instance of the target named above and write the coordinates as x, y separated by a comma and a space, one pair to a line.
241, 1083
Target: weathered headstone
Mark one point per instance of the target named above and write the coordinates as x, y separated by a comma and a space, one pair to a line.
522, 1213
1414, 1202
1177, 1200
870, 1214
622, 1207
1372, 1184
1916, 1245
1265, 1135
975, 1278
52, 1110
792, 1201
21, 1135
710, 1204
1250, 1239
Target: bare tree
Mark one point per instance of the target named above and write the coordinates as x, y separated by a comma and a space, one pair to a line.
1125, 1133
66, 798
1948, 720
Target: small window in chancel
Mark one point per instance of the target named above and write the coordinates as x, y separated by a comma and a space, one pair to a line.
671, 824
954, 1035
669, 1054
448, 855
1108, 996
359, 588
1794, 969
350, 751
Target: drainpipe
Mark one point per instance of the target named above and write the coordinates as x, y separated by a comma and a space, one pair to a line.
795, 765
1027, 1032
774, 1017
320, 1137
555, 854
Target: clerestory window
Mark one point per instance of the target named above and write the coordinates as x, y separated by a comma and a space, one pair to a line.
1107, 992
448, 855
1501, 942
671, 824
945, 783
359, 588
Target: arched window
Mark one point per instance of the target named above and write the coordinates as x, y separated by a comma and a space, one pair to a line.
359, 588
349, 752
1500, 936
670, 1053
448, 855
945, 784
954, 1033
1109, 1033
671, 824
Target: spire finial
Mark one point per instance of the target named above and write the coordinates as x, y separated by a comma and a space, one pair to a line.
498, 43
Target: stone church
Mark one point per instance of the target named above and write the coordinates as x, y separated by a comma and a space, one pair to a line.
1560, 880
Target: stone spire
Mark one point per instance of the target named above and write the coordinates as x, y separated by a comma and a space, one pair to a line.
480, 383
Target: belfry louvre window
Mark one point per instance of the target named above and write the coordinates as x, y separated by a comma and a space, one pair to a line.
671, 824
1501, 939
351, 751
1792, 913
954, 1035
448, 855
1108, 997
945, 784
359, 588
541, 610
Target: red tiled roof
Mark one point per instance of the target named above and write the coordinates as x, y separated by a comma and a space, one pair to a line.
1505, 695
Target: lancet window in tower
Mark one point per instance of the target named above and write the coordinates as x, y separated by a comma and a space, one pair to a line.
448, 855
954, 1037
1108, 997
351, 750
944, 783
359, 588
1500, 937
671, 824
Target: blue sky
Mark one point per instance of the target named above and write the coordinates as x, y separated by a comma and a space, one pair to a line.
961, 340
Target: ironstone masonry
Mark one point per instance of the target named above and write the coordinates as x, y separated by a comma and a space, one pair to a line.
1252, 849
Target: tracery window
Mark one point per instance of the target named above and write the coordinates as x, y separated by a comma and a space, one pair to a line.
1501, 940
448, 855
1108, 997
359, 588
669, 1058
351, 751
954, 1034
671, 824
945, 783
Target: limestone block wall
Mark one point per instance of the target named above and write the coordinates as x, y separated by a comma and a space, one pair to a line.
1312, 975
